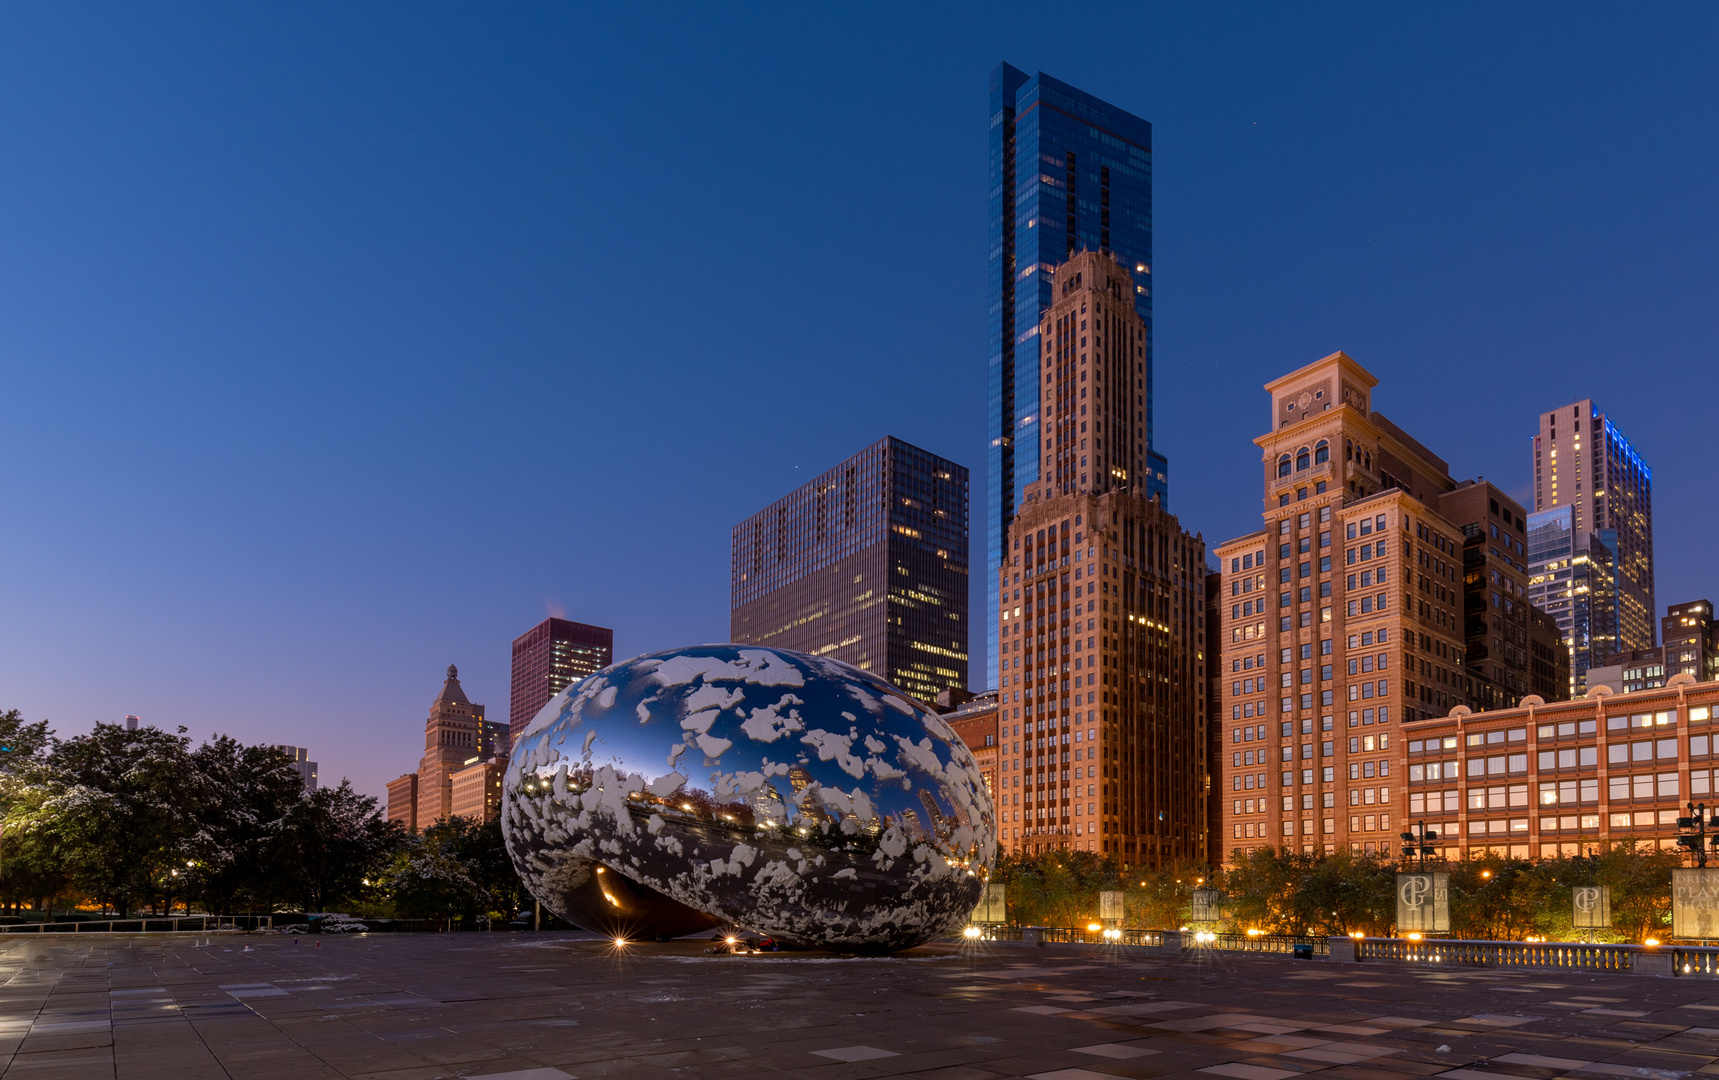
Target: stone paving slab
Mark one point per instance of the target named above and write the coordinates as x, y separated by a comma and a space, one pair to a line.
571, 1007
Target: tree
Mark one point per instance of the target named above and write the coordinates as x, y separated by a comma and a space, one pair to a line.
1640, 879
1342, 893
237, 846
1260, 890
457, 869
1164, 899
1058, 888
28, 870
121, 809
333, 842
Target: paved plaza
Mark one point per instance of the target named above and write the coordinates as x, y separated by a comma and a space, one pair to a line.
544, 1007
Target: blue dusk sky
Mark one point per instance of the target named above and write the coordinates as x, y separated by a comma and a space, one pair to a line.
344, 342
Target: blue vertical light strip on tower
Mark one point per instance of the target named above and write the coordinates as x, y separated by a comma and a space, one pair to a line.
1069, 173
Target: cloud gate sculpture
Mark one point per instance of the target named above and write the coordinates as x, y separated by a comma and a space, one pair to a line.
787, 794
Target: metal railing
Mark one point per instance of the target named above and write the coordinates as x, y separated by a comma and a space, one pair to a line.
1074, 935
1152, 939
195, 924
1267, 943
1065, 935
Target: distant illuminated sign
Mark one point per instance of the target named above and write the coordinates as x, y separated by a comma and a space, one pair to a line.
1592, 907
1206, 903
991, 908
1695, 903
1423, 903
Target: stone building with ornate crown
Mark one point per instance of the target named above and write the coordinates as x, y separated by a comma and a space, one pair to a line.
457, 740
1102, 712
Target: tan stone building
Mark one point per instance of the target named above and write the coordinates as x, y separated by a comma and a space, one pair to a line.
403, 800
456, 738
1549, 779
1101, 600
1342, 618
475, 789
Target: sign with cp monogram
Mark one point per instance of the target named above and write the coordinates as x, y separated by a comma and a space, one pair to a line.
1695, 903
1110, 906
1206, 905
991, 908
1423, 903
1592, 907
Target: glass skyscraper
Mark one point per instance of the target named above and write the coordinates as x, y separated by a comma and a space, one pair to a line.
1610, 490
866, 564
1573, 577
1069, 173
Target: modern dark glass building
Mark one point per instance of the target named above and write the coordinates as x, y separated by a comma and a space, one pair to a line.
548, 658
866, 564
1582, 460
1573, 577
1069, 173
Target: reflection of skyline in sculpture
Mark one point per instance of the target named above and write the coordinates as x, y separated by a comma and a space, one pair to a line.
788, 794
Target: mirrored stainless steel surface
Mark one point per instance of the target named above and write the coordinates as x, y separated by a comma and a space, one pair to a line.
791, 795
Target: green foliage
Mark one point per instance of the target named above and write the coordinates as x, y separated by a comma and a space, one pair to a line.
1163, 898
134, 818
1057, 889
1284, 892
241, 824
121, 810
29, 868
456, 870
335, 846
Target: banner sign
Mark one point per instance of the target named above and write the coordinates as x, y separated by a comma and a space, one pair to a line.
1206, 905
1695, 904
991, 909
1423, 903
1592, 907
1110, 906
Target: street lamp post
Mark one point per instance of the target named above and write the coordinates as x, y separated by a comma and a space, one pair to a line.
1418, 841
1693, 832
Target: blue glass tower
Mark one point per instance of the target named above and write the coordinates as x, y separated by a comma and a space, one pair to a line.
1069, 173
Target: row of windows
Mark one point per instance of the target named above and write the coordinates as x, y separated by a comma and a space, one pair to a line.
1305, 458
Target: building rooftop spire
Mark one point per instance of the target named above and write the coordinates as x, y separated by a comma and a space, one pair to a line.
452, 693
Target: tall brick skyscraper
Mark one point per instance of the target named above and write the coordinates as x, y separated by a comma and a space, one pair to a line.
547, 659
1101, 601
1346, 615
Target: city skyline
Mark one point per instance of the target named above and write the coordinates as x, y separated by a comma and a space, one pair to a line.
226, 376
